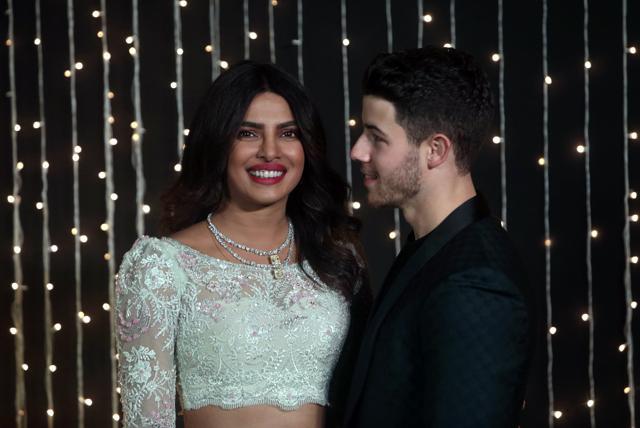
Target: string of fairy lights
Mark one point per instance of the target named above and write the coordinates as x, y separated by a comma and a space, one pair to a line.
628, 259
137, 136
544, 162
17, 305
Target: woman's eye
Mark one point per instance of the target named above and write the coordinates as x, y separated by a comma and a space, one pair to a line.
290, 133
245, 133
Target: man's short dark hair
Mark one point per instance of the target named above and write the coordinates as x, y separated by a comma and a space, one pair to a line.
435, 90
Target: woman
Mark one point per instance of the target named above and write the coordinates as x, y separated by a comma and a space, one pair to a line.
245, 307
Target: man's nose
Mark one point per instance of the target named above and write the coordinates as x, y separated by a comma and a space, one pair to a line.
360, 151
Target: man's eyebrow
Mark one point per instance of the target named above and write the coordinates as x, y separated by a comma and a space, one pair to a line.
261, 125
374, 128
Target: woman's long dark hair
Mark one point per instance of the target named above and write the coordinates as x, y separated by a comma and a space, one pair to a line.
326, 234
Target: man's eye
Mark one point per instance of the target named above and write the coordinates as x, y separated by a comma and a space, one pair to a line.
375, 138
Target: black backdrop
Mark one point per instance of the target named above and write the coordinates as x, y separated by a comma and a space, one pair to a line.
476, 33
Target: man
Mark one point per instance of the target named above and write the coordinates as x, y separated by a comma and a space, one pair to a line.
448, 340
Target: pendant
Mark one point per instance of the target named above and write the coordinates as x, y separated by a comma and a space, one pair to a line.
278, 272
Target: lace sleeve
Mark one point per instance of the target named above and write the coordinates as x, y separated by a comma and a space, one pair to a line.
147, 307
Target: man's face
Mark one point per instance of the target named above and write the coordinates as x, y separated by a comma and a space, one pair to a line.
389, 162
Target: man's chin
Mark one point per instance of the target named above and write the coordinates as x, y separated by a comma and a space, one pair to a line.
378, 202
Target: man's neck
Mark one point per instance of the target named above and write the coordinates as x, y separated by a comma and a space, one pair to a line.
429, 208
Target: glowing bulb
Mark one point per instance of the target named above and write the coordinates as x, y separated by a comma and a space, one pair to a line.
622, 347
114, 196
547, 80
632, 50
146, 209
547, 242
447, 45
590, 403
116, 417
177, 167
585, 317
79, 66
135, 137
173, 85
17, 249
580, 148
224, 64
274, 2
57, 326
88, 401
208, 48
67, 73
75, 157
37, 41
110, 95
253, 35
129, 40
634, 304
13, 331
346, 42
496, 140
587, 64
111, 119
541, 161
17, 128
106, 56
634, 260
14, 285
102, 175
427, 18
633, 135
49, 412
106, 306
633, 195
113, 141
133, 124
179, 51
186, 132
49, 286
20, 166
25, 367
36, 125
100, 34
107, 256
77, 149
627, 390
54, 248
95, 14
45, 165
352, 122
80, 314
11, 199
553, 330
634, 218
86, 319
594, 233
8, 42
557, 414
104, 227
132, 51
393, 234
52, 368
83, 238
118, 389
356, 205
183, 3
495, 57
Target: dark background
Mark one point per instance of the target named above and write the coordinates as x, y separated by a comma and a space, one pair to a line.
476, 33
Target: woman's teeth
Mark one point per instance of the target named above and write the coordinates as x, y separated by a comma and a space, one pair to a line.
266, 174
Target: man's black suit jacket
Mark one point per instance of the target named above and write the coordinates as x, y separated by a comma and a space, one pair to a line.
449, 337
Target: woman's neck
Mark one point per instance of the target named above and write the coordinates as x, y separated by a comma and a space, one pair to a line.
263, 228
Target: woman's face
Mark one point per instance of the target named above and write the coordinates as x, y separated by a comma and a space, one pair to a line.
266, 159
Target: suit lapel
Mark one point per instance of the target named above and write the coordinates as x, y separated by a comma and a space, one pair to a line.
466, 214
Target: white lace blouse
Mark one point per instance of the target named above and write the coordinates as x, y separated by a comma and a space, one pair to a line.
221, 333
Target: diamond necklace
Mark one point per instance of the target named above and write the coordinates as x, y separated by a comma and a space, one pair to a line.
274, 259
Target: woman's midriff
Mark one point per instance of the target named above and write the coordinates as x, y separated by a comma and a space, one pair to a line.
306, 416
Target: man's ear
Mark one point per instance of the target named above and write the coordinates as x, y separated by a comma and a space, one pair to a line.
438, 149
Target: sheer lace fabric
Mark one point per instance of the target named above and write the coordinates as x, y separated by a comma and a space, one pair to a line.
225, 334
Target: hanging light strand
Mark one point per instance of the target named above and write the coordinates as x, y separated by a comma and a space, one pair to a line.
627, 232
110, 203
452, 21
345, 89
589, 237
177, 41
16, 307
547, 234
299, 44
76, 213
503, 122
137, 137
272, 35
46, 238
245, 22
420, 22
214, 35
396, 212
